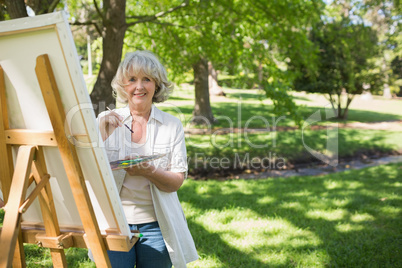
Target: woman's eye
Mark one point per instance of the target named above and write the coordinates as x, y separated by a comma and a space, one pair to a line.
132, 79
147, 79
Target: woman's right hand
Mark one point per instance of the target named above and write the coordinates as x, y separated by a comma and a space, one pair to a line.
108, 123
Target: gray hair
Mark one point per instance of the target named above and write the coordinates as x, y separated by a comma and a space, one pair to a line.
147, 63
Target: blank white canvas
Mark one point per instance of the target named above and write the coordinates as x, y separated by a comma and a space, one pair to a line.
21, 41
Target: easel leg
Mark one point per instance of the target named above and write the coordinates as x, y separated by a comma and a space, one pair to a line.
12, 219
51, 96
19, 254
48, 209
6, 165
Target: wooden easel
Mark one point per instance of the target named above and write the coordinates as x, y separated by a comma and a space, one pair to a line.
30, 167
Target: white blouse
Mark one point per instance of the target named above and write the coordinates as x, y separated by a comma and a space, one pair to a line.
166, 135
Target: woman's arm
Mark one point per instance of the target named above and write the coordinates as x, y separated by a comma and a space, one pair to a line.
166, 181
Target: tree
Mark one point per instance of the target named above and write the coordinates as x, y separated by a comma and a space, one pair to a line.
345, 50
202, 109
214, 88
42, 6
187, 40
114, 28
12, 9
384, 18
112, 21
15, 9
396, 66
226, 34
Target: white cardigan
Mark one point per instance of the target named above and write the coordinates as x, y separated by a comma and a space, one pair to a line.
166, 136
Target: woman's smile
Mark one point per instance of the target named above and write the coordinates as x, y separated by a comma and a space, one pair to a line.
140, 87
140, 94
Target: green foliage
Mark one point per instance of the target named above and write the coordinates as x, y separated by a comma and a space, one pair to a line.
253, 40
384, 17
357, 41
345, 50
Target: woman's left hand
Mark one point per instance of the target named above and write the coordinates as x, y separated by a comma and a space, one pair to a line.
165, 180
142, 169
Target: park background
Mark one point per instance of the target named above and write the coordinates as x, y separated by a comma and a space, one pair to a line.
292, 112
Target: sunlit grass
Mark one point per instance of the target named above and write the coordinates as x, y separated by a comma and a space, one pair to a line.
350, 219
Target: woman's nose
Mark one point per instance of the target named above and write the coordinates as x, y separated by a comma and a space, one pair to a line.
139, 85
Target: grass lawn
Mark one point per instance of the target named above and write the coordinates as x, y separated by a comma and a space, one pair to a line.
249, 107
349, 219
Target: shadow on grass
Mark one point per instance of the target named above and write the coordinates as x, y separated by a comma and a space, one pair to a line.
355, 215
369, 116
212, 246
301, 98
246, 96
354, 115
236, 115
178, 98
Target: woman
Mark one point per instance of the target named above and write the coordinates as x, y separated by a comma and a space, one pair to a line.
148, 191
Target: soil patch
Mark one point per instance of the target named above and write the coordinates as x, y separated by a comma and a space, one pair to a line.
302, 168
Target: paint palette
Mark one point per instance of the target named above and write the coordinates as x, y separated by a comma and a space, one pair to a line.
127, 163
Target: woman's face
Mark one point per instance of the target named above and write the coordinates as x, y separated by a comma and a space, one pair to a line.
140, 88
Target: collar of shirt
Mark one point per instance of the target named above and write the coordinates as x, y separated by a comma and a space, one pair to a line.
156, 114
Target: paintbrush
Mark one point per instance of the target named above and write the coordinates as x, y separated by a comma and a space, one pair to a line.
123, 123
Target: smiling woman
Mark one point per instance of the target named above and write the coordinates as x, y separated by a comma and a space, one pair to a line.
148, 191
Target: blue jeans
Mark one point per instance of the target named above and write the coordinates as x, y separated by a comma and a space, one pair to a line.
149, 252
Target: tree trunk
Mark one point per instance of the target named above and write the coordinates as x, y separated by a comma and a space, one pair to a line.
214, 88
332, 101
399, 94
260, 74
346, 110
113, 39
2, 12
387, 92
43, 6
202, 113
339, 106
16, 9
